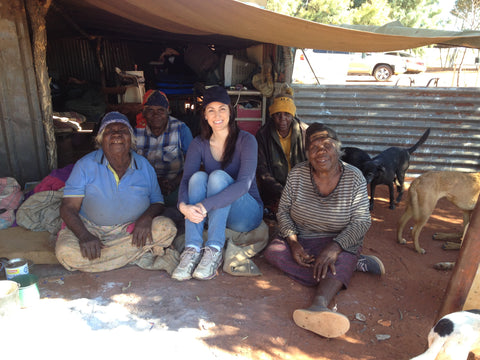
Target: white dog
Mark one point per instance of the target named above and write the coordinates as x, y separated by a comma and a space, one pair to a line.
453, 337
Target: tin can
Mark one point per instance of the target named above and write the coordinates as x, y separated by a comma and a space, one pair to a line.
16, 267
28, 291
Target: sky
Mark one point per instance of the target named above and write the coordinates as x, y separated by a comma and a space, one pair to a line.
446, 6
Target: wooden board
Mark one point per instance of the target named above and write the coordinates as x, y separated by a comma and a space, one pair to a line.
18, 242
473, 298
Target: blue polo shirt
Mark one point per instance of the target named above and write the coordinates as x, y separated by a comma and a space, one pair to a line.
107, 200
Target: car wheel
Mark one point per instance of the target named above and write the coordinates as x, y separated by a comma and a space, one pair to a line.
382, 72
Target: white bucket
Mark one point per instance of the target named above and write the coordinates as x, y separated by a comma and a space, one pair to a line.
16, 267
9, 297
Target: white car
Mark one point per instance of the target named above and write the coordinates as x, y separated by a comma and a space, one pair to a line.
415, 65
313, 66
379, 65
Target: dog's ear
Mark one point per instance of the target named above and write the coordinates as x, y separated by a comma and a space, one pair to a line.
381, 168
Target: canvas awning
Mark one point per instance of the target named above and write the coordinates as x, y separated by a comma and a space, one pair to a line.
236, 20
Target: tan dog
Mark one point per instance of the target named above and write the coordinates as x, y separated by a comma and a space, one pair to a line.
461, 189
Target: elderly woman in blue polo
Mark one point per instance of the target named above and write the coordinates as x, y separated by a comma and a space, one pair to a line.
111, 208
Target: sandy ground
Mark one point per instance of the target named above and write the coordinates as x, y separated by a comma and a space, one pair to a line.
132, 312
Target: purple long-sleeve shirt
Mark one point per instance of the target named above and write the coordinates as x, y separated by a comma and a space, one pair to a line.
242, 168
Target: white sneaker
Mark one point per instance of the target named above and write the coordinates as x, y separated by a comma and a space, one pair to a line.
211, 261
188, 261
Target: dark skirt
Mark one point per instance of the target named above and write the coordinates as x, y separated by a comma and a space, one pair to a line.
279, 255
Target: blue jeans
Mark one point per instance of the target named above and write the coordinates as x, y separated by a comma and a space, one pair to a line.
243, 215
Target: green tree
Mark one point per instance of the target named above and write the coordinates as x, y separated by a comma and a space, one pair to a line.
411, 13
322, 11
468, 12
416, 13
326, 11
372, 12
285, 7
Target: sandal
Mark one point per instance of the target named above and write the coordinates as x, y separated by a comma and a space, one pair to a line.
324, 322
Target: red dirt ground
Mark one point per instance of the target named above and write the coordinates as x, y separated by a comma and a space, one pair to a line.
251, 318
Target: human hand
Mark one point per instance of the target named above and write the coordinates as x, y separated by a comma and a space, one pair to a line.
142, 233
326, 260
90, 246
300, 255
195, 213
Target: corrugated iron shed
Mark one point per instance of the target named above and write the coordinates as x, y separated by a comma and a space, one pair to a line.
374, 118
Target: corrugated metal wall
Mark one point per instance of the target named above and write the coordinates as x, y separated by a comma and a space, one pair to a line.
374, 118
22, 143
77, 58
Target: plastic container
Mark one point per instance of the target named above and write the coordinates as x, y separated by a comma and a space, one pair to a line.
9, 297
252, 113
250, 126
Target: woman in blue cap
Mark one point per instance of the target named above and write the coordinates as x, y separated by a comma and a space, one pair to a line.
112, 205
224, 192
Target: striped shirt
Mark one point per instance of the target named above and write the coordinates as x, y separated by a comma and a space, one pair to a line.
343, 214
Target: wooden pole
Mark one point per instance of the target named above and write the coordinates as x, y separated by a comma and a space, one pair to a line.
465, 268
37, 10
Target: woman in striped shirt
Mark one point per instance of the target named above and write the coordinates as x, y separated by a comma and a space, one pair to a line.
323, 216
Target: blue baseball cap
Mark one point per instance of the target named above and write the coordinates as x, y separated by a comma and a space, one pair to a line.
216, 93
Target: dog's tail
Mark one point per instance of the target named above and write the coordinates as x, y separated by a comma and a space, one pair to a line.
419, 142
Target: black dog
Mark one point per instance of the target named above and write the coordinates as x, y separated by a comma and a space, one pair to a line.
355, 156
390, 166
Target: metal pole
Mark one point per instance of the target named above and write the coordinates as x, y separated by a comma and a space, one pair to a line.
311, 68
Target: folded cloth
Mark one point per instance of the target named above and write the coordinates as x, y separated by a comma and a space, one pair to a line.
168, 261
55, 180
11, 197
241, 247
41, 212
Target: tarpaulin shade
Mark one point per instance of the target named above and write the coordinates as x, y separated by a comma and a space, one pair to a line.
237, 20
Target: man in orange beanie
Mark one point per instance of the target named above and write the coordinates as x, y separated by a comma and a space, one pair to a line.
280, 147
